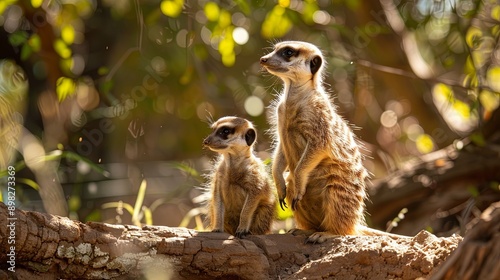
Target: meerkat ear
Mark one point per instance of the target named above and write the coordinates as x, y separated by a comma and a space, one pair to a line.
250, 136
315, 64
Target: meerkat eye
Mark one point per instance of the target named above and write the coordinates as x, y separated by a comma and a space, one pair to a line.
225, 131
288, 52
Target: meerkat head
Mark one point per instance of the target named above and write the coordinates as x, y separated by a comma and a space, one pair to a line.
295, 61
231, 135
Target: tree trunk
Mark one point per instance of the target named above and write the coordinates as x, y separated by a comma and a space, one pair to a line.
49, 246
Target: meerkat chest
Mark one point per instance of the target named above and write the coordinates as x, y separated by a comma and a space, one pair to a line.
237, 178
233, 195
293, 129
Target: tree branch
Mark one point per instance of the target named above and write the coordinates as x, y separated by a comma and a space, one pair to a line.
56, 247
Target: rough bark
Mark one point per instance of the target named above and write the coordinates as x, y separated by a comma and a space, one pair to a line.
51, 247
478, 256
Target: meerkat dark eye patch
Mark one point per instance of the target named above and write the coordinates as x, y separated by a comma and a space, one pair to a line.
225, 131
250, 136
315, 64
288, 53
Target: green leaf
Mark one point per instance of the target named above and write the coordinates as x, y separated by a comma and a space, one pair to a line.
310, 7
478, 139
190, 215
76, 157
26, 51
172, 8
65, 87
187, 170
74, 203
229, 59
103, 70
68, 34
94, 216
106, 86
276, 24
36, 3
18, 38
120, 205
473, 36
35, 42
495, 13
493, 78
244, 7
462, 108
148, 215
212, 11
138, 203
353, 4
224, 19
56, 155
489, 100
226, 45
473, 191
444, 91
29, 182
62, 49
424, 144
4, 4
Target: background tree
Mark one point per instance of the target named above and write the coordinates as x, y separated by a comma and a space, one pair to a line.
121, 89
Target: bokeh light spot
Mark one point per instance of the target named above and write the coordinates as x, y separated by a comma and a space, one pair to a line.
240, 35
388, 118
254, 106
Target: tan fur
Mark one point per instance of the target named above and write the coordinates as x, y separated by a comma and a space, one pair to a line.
242, 201
326, 179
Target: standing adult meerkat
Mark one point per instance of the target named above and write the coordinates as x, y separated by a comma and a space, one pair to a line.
242, 201
326, 178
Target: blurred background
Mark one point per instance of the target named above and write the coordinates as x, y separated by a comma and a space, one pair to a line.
104, 104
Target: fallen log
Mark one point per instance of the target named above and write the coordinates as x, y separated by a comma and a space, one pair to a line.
49, 246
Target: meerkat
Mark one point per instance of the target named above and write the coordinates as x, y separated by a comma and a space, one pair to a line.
326, 178
242, 201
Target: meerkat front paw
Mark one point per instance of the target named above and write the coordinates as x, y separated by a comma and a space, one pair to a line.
217, 230
320, 237
281, 188
240, 233
295, 195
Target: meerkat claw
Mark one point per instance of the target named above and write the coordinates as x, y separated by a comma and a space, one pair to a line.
241, 234
283, 204
294, 204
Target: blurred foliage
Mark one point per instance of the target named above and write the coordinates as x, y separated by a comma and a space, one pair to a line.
140, 213
135, 82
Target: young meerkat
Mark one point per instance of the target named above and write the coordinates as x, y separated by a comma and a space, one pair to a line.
326, 178
242, 201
